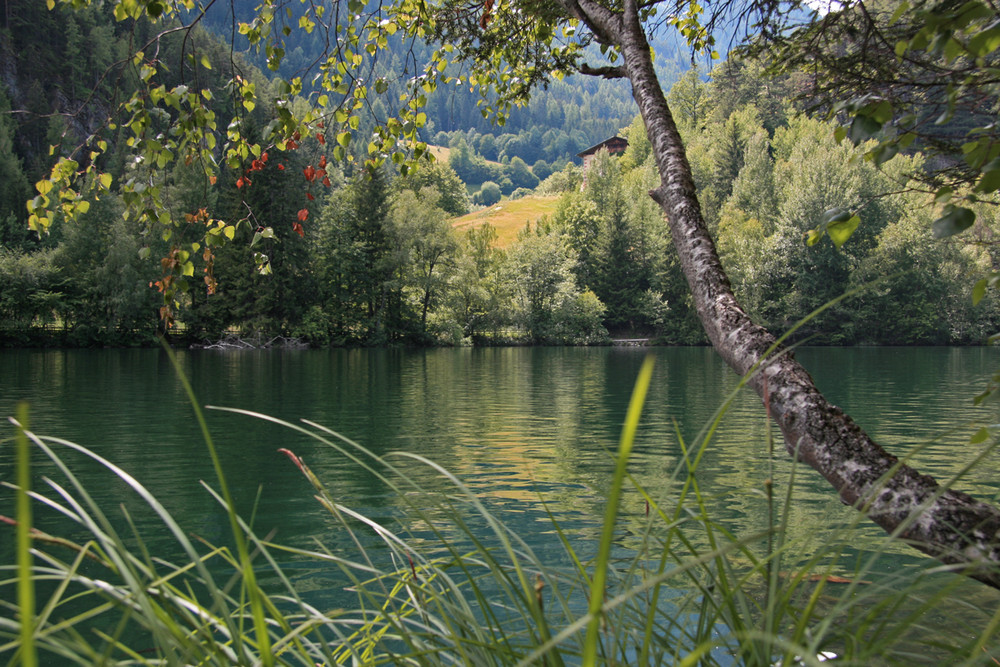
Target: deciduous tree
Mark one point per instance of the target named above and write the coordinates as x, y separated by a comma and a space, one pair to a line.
508, 50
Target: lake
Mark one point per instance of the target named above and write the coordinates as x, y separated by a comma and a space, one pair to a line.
529, 430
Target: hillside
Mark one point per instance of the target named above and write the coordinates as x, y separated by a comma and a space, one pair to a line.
509, 217
560, 119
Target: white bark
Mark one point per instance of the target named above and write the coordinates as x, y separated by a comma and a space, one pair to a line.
945, 523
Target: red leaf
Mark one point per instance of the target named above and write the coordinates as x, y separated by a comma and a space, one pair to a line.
326, 182
297, 227
322, 162
239, 182
309, 196
309, 173
303, 214
281, 167
320, 138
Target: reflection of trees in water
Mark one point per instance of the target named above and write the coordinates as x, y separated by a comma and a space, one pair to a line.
520, 426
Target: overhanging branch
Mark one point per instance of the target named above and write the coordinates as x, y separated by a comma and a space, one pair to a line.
945, 523
607, 72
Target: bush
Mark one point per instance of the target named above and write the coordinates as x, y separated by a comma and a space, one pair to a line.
488, 195
519, 174
541, 170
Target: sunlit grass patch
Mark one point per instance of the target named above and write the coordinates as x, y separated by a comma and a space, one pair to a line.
509, 217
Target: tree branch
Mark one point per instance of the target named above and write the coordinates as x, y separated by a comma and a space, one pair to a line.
942, 522
607, 72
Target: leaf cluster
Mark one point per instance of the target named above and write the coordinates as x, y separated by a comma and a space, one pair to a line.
910, 76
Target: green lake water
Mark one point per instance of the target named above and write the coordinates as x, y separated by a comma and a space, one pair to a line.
530, 430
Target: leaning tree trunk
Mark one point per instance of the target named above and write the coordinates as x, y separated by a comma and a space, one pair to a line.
947, 524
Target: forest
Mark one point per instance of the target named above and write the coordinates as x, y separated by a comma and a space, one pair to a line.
331, 253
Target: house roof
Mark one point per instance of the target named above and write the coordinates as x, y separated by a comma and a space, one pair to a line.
612, 144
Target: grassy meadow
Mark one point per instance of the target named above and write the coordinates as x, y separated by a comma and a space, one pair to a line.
509, 216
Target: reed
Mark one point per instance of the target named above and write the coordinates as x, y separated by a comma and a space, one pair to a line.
467, 592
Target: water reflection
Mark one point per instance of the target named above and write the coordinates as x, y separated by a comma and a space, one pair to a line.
530, 431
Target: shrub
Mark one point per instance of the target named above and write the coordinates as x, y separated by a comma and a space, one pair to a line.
541, 170
488, 195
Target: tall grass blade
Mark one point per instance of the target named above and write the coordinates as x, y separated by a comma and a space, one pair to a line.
599, 580
25, 582
446, 581
246, 565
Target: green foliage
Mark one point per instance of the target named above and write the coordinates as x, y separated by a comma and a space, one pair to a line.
777, 193
30, 293
478, 298
738, 83
470, 166
619, 241
569, 179
688, 99
488, 194
210, 132
356, 265
936, 91
424, 246
108, 299
546, 299
14, 188
541, 170
453, 198
168, 121
520, 175
639, 149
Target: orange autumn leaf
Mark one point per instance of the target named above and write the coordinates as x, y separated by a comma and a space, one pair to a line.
303, 214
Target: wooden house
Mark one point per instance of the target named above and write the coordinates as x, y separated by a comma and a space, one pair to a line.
614, 146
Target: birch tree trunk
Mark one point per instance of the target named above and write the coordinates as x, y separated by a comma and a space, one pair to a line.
945, 523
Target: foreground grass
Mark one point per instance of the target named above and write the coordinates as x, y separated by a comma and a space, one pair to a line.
472, 592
